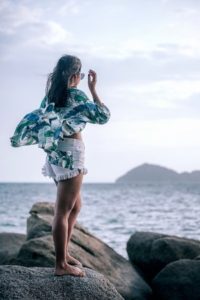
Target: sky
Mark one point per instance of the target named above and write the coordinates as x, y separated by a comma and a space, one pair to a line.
147, 58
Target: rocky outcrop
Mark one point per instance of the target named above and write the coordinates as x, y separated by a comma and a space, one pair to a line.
38, 251
170, 265
151, 252
179, 280
39, 223
18, 282
10, 244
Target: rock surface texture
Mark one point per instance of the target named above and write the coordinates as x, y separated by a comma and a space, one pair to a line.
18, 282
179, 280
10, 243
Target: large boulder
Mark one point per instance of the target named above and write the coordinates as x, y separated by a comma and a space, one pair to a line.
179, 280
38, 250
18, 282
10, 244
39, 223
151, 252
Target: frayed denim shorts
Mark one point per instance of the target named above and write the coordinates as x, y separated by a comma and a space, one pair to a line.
77, 148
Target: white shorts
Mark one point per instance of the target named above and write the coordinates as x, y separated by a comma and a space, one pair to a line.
77, 148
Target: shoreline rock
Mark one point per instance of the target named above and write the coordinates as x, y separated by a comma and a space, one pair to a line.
10, 243
160, 266
18, 282
151, 251
170, 264
178, 280
38, 251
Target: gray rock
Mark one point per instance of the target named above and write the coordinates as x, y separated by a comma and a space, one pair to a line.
179, 280
36, 252
43, 208
84, 246
151, 252
40, 220
18, 282
10, 244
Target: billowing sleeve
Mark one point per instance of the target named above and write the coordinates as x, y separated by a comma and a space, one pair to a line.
95, 113
41, 126
92, 112
26, 130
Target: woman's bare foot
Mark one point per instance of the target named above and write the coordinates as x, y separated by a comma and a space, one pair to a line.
73, 261
66, 269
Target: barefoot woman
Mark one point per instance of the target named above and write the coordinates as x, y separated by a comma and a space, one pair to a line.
77, 110
56, 127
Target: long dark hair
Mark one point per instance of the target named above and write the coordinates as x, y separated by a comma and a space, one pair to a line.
58, 81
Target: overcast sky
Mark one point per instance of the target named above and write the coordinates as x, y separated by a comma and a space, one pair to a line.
147, 57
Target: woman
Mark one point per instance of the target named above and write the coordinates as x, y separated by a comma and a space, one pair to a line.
56, 127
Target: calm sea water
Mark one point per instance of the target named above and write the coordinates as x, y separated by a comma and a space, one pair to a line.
112, 211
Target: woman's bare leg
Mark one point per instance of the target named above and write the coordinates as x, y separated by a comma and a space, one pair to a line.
73, 216
67, 193
71, 222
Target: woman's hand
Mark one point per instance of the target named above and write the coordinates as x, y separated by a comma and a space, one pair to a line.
92, 79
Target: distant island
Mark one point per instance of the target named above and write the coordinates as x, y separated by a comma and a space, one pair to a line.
155, 173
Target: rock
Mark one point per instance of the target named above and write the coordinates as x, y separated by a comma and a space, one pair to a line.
179, 280
40, 221
10, 244
151, 252
139, 248
84, 246
36, 252
43, 208
18, 282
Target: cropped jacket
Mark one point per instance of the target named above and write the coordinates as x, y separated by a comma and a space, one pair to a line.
48, 124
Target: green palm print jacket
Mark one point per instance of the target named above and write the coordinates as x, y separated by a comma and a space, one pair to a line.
46, 125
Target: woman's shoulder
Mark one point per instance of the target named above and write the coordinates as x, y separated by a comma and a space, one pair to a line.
78, 95
75, 97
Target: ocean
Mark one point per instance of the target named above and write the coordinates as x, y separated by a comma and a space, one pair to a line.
110, 211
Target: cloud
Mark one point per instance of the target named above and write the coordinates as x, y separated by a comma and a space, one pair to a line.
15, 15
26, 33
47, 34
71, 7
167, 100
158, 133
192, 104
